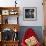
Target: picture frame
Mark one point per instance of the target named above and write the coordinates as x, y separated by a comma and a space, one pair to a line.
30, 13
5, 12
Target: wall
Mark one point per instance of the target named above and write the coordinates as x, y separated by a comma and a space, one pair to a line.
26, 3
38, 5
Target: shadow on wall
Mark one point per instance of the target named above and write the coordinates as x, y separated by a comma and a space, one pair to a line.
37, 29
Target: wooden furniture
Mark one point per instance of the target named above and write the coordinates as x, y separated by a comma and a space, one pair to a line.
7, 23
44, 8
0, 43
5, 12
10, 43
44, 36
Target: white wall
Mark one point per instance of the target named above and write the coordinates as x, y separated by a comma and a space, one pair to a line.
38, 5
26, 3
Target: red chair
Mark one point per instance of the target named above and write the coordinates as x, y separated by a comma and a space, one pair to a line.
29, 33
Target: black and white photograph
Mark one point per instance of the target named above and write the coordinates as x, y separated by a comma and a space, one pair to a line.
30, 13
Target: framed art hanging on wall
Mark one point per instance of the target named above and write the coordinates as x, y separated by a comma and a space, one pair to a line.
30, 13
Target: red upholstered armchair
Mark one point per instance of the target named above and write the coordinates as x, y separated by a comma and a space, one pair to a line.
30, 38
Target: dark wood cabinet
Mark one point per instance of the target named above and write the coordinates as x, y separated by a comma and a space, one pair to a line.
10, 43
0, 43
5, 26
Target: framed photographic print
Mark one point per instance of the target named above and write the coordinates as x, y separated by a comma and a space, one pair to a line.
5, 12
30, 13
